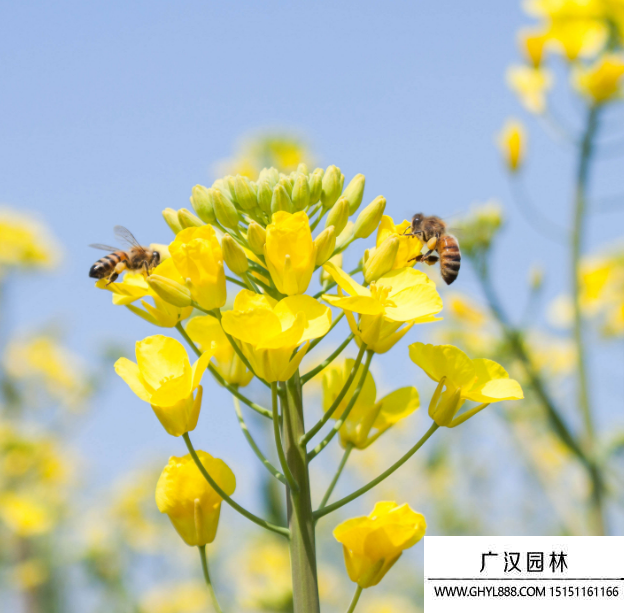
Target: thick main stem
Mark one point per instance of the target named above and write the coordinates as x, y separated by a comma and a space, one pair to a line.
578, 230
299, 504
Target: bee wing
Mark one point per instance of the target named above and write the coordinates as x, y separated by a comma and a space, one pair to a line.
125, 235
104, 247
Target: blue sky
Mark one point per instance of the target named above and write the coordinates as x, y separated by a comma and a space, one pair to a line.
112, 111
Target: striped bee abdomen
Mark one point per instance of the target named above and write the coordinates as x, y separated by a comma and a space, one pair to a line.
106, 265
450, 257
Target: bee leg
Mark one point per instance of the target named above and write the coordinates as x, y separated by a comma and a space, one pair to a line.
146, 269
431, 260
118, 270
419, 233
418, 258
112, 278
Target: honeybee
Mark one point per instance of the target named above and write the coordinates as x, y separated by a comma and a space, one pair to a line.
432, 231
135, 258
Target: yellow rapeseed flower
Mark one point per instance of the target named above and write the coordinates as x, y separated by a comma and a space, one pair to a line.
479, 380
369, 418
208, 334
164, 377
25, 242
512, 144
530, 85
388, 308
134, 287
197, 255
269, 331
290, 252
25, 515
409, 246
372, 544
188, 499
600, 82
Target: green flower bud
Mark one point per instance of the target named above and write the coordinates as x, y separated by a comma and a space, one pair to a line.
230, 183
287, 183
188, 220
265, 195
224, 209
270, 175
339, 215
381, 259
281, 200
325, 244
256, 237
302, 169
234, 255
333, 180
315, 181
245, 193
355, 192
301, 193
170, 291
345, 237
369, 218
202, 203
171, 217
223, 186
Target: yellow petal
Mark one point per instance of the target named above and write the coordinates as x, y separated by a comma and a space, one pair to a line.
172, 391
401, 279
414, 302
345, 281
160, 358
246, 299
200, 366
252, 326
129, 372
396, 406
318, 316
444, 361
492, 383
365, 305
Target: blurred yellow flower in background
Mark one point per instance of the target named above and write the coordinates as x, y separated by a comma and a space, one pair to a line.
187, 597
270, 331
373, 544
24, 242
188, 499
163, 376
601, 81
367, 414
530, 85
479, 380
404, 296
290, 252
26, 514
207, 333
512, 144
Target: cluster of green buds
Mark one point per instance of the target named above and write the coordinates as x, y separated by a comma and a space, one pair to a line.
479, 228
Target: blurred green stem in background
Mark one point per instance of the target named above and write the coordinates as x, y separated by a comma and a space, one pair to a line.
204, 561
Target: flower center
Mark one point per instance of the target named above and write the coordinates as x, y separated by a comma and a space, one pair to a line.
381, 292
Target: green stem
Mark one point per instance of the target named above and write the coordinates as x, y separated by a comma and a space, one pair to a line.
237, 507
315, 371
215, 373
345, 413
292, 484
235, 281
300, 516
332, 485
250, 283
355, 599
213, 595
252, 443
384, 475
345, 388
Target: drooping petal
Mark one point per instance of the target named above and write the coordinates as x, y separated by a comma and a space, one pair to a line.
129, 372
344, 281
396, 406
492, 383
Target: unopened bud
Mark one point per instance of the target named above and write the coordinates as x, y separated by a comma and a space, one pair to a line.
270, 175
234, 255
171, 217
301, 193
188, 220
381, 259
288, 183
245, 193
355, 192
223, 186
339, 215
369, 218
302, 169
325, 244
265, 195
281, 200
345, 237
202, 203
256, 237
229, 183
333, 180
315, 181
224, 209
170, 291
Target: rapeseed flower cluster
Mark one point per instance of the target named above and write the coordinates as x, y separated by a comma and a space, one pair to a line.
253, 280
